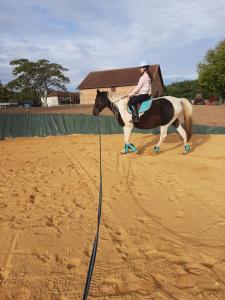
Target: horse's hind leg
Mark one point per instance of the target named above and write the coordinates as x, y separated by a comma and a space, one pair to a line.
182, 133
163, 134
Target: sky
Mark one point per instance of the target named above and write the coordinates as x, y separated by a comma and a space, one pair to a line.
91, 35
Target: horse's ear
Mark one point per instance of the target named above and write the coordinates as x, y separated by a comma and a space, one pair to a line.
98, 92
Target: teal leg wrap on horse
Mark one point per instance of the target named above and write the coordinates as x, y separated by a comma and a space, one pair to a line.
187, 148
156, 149
126, 148
129, 148
132, 148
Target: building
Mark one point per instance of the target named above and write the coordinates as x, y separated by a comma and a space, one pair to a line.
120, 81
61, 98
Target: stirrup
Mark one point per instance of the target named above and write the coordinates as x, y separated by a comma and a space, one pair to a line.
135, 119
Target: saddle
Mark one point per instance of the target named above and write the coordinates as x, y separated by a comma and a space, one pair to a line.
142, 107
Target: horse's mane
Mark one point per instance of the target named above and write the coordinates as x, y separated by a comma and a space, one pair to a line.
113, 99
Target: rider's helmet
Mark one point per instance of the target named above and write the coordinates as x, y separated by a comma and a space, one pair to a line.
144, 64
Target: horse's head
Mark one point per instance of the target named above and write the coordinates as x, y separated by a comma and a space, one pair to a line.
101, 101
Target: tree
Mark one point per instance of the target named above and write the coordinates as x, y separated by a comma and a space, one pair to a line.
211, 71
183, 89
4, 93
37, 77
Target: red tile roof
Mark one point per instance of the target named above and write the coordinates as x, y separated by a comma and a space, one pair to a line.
116, 77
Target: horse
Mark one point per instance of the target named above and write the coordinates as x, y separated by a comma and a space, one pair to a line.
164, 111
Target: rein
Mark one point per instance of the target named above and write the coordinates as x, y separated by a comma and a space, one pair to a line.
120, 99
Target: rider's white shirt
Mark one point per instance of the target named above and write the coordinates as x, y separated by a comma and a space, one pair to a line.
143, 87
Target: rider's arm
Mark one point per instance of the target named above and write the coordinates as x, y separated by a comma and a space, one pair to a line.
138, 87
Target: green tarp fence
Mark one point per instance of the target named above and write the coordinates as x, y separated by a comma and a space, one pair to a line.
25, 125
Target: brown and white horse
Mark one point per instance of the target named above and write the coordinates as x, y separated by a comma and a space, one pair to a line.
164, 111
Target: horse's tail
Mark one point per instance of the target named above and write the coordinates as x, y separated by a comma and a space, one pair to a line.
187, 110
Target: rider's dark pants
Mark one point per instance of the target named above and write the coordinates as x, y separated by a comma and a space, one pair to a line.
137, 99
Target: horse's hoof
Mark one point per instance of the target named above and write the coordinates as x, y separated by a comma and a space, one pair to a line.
156, 149
123, 151
132, 151
187, 148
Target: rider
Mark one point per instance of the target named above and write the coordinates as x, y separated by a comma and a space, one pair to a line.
141, 92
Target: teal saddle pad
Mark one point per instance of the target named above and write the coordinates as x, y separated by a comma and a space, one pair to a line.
142, 107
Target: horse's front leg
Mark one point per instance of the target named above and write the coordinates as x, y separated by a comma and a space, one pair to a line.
127, 146
163, 134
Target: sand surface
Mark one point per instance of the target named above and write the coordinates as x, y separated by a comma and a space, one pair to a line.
163, 221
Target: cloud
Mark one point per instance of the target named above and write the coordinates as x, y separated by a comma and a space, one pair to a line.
91, 35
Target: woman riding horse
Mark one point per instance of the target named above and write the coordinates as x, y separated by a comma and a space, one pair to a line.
163, 112
140, 92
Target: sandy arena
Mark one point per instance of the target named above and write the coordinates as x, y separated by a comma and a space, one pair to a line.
162, 235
